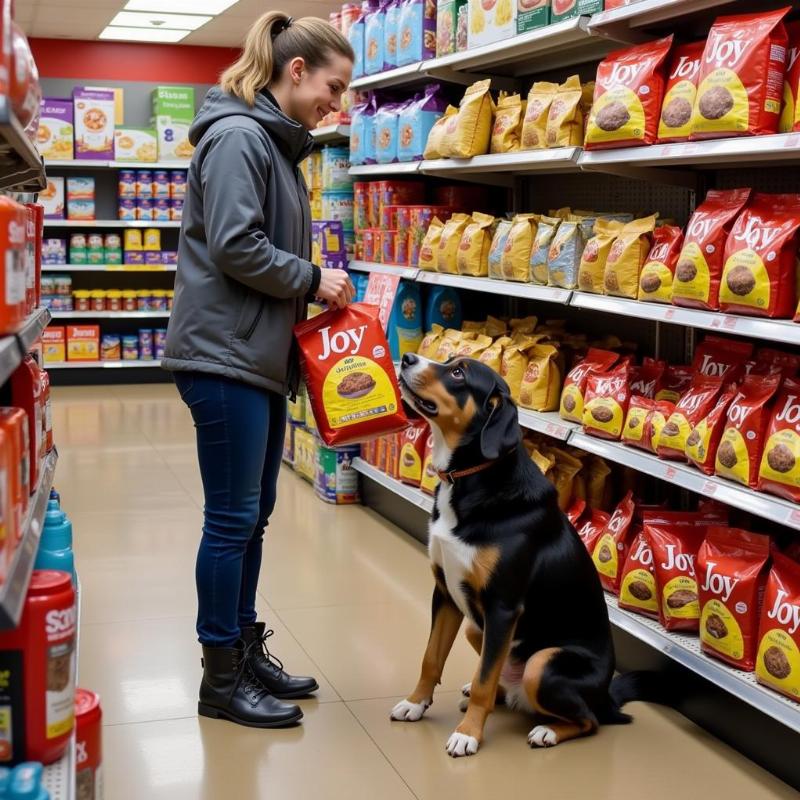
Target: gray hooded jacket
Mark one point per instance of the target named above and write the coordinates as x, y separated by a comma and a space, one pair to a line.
243, 268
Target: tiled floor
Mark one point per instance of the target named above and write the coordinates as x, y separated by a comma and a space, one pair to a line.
348, 597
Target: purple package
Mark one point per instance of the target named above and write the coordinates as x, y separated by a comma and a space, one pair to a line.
134, 257
54, 138
169, 257
392, 17
416, 31
94, 123
385, 127
153, 257
415, 121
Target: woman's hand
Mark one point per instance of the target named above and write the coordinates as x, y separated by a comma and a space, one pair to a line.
335, 288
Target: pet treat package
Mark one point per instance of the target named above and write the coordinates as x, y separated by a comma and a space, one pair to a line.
565, 118
699, 270
779, 472
591, 272
791, 80
374, 39
731, 572
778, 659
572, 395
591, 526
416, 31
429, 251
695, 404
412, 451
760, 258
722, 358
611, 548
627, 97
673, 383
740, 85
638, 587
385, 126
542, 380
476, 242
507, 124
627, 256
415, 123
645, 378
655, 281
681, 90
545, 233
516, 259
497, 249
564, 255
534, 125
350, 376
606, 403
433, 146
430, 477
635, 430
449, 242
703, 441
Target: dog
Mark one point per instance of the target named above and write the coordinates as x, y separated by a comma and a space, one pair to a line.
505, 557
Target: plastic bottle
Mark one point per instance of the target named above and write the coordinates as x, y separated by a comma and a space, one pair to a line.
54, 495
55, 545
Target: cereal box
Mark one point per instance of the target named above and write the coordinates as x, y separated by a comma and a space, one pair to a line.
532, 14
94, 123
52, 198
566, 9
80, 188
491, 21
54, 344
83, 342
135, 144
173, 112
56, 131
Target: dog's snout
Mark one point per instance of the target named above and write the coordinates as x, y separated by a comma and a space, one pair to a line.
410, 359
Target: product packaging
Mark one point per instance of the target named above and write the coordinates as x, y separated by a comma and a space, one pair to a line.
136, 144
489, 23
94, 112
173, 113
54, 138
611, 548
655, 281
675, 124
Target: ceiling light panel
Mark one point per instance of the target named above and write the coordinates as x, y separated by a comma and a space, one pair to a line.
212, 7
183, 22
162, 35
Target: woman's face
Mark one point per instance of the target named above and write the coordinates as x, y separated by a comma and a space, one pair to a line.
317, 92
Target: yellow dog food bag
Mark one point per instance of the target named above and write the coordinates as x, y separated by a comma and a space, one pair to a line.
545, 463
541, 383
516, 259
495, 327
565, 120
448, 345
506, 128
430, 341
492, 356
627, 256
565, 471
476, 242
433, 147
545, 232
472, 348
495, 267
513, 364
447, 253
524, 325
468, 132
534, 125
429, 249
593, 260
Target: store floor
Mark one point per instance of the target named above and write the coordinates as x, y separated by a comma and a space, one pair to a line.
348, 597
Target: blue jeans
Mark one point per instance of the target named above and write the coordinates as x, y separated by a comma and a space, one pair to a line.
240, 432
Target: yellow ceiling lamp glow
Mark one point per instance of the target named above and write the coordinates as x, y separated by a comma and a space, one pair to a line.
212, 7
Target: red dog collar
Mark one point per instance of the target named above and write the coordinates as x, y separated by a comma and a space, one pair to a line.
453, 475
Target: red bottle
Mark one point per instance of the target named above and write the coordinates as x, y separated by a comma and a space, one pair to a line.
26, 393
38, 658
88, 744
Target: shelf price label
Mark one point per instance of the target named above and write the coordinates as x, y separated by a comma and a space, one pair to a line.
670, 473
557, 431
793, 518
709, 488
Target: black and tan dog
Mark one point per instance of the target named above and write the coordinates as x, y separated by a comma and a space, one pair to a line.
505, 557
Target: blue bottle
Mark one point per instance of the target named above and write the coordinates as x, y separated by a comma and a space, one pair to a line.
405, 322
26, 783
54, 495
443, 308
55, 544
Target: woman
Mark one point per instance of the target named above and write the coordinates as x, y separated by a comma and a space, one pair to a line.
242, 284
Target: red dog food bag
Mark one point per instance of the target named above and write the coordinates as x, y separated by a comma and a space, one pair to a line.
638, 587
412, 451
350, 376
704, 439
722, 358
658, 272
656, 421
644, 379
760, 258
611, 548
741, 76
575, 384
590, 526
699, 269
575, 512
430, 477
695, 404
635, 430
731, 575
791, 80
628, 92
675, 124
606, 403
674, 382
779, 473
742, 443
778, 660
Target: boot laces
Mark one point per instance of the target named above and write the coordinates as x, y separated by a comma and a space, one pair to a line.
272, 660
247, 679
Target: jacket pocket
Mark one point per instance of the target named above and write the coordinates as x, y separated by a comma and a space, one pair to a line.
252, 309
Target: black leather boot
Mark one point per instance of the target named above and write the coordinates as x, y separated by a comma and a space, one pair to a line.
230, 690
269, 669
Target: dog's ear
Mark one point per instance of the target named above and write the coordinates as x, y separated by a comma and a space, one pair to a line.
501, 430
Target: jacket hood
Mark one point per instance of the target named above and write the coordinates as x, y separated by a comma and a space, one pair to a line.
293, 140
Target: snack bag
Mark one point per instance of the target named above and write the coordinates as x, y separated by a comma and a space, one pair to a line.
655, 282
694, 405
516, 258
385, 122
611, 548
778, 659
572, 395
673, 383
431, 341
791, 80
760, 258
416, 31
476, 242
606, 403
742, 443
703, 441
627, 96
374, 40
681, 90
575, 511
534, 126
591, 527
644, 379
392, 16
473, 348
429, 251
433, 147
639, 409
448, 345
412, 451
507, 123
740, 85
722, 358
513, 364
544, 462
731, 572
626, 257
496, 251
779, 473
638, 586
545, 232
524, 326
430, 477
492, 356
565, 118
447, 254
656, 422
595, 254
467, 133
564, 255
541, 381
699, 269
415, 122
350, 376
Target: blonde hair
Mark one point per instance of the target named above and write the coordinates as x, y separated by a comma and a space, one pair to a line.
273, 42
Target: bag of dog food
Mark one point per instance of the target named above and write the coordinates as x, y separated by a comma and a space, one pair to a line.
492, 356
768, 359
449, 241
791, 80
545, 232
673, 383
656, 422
416, 121
596, 361
523, 326
593, 259
412, 451
681, 91
516, 258
740, 85
476, 242
760, 258
699, 269
507, 124
645, 378
374, 39
627, 256
473, 348
429, 252
722, 358
627, 96
468, 132
655, 282
350, 376
731, 570
433, 147
416, 31
740, 449
497, 249
575, 511
591, 526
385, 122
639, 409
606, 403
703, 441
778, 660
431, 341
448, 345
564, 256
541, 381
534, 126
563, 476
637, 591
611, 548
513, 364
430, 477
779, 473
565, 118
694, 405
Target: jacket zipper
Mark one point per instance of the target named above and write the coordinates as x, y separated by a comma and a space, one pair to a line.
249, 332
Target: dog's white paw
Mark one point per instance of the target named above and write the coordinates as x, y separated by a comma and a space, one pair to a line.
542, 736
406, 711
463, 703
459, 744
466, 689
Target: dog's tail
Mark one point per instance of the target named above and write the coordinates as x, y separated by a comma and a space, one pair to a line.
638, 685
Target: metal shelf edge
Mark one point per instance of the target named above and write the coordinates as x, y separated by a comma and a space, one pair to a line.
409, 493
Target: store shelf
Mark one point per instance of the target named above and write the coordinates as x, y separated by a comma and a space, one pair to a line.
376, 170
622, 23
15, 587
107, 223
558, 159
409, 493
547, 422
109, 314
329, 134
152, 364
409, 273
686, 651
400, 76
530, 291
59, 778
89, 163
109, 268
27, 335
733, 494
21, 166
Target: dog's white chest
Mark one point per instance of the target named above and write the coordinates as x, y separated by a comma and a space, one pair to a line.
447, 551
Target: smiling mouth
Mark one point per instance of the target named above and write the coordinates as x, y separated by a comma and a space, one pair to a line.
425, 407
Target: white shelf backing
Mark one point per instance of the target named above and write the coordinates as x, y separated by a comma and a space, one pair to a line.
107, 223
529, 291
557, 159
414, 496
330, 134
152, 363
109, 268
86, 163
110, 314
376, 170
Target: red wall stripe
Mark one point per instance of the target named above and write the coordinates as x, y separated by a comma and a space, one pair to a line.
130, 61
